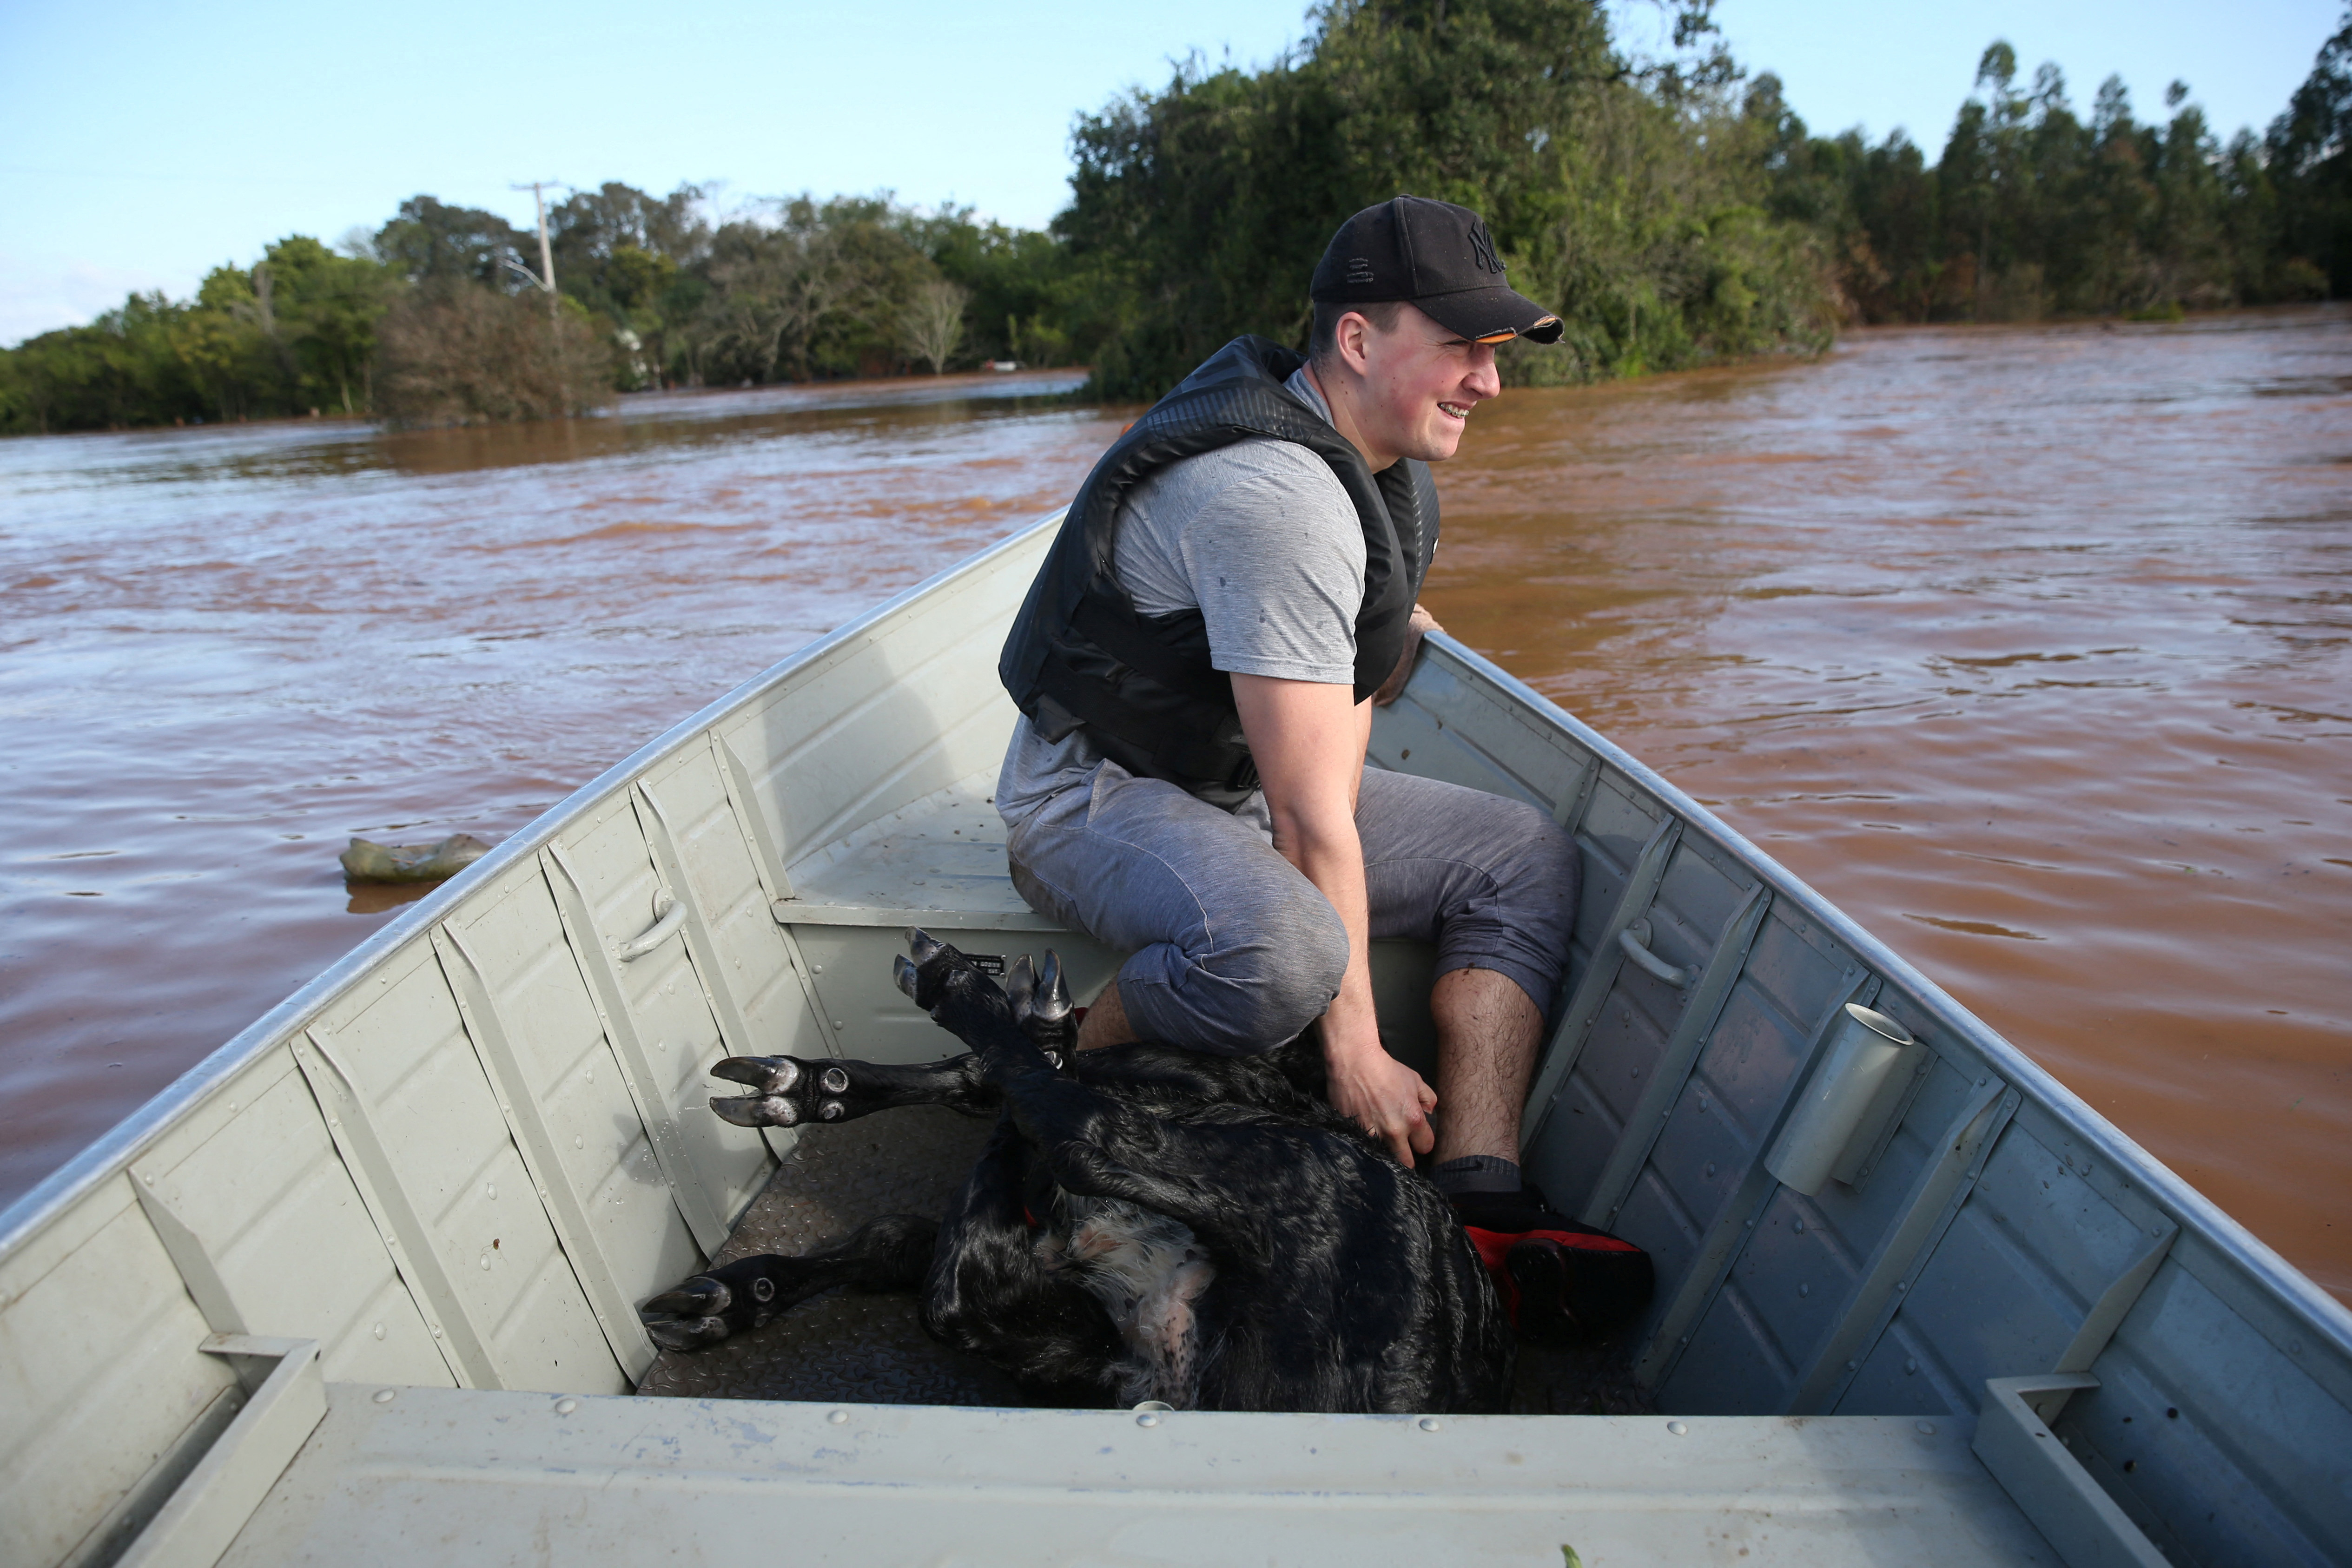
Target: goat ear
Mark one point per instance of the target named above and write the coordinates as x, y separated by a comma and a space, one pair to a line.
1052, 995
903, 973
923, 945
1020, 987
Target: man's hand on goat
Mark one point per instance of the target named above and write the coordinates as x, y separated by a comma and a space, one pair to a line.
1383, 1096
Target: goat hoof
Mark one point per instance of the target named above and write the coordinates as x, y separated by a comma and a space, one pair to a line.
690, 1318
783, 1083
756, 1110
687, 1334
1041, 1006
1053, 995
699, 1297
768, 1074
790, 1092
927, 971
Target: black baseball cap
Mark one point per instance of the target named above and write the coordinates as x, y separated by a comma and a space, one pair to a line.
1439, 257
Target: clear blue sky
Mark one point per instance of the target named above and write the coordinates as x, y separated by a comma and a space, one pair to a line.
141, 143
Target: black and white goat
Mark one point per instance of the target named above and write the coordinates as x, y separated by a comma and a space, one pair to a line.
1145, 1223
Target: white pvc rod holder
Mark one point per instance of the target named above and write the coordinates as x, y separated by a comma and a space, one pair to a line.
1864, 1050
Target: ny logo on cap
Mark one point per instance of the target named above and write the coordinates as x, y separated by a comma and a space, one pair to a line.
1481, 246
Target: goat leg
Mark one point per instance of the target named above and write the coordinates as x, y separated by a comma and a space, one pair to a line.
965, 1002
790, 1092
890, 1253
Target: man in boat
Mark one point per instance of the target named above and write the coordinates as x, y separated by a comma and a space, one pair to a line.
1232, 591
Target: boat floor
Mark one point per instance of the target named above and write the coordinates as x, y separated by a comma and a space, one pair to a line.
870, 1348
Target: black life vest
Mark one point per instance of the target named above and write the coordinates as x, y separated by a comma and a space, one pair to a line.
1081, 653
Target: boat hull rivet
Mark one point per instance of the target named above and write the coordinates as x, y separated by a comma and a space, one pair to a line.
566, 1406
837, 1418
1431, 1423
387, 1395
1678, 1429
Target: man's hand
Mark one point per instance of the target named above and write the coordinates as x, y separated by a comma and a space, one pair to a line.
1393, 688
1382, 1095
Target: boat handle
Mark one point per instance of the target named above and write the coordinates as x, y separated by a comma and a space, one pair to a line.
1633, 940
672, 912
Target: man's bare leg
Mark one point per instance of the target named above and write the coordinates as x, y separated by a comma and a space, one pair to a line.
1487, 1031
1106, 1023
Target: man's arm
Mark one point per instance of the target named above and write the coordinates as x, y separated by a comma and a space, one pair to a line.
1307, 738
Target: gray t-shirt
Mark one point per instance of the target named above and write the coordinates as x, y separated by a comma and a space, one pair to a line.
1261, 537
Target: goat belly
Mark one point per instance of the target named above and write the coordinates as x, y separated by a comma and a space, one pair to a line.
1148, 1270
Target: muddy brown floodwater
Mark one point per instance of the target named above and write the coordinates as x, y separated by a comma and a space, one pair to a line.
2029, 647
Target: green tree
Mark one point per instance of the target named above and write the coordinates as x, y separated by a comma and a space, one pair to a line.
1632, 199
221, 341
1025, 296
630, 258
430, 243
119, 371
814, 288
2309, 155
326, 308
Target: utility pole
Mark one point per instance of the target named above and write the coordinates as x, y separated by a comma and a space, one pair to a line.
546, 278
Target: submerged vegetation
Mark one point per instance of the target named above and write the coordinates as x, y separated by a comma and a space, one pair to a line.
1675, 211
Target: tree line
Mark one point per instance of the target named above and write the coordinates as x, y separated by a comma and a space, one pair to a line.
1674, 211
440, 316
2033, 211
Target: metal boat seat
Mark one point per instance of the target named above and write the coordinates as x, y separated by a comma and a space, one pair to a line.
938, 861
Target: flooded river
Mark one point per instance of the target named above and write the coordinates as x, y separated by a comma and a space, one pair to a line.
2031, 647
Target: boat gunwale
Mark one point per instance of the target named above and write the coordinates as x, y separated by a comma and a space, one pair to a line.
112, 1153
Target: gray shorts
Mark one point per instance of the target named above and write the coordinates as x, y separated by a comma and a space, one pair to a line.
1234, 951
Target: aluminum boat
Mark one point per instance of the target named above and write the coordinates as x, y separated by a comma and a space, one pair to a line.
362, 1284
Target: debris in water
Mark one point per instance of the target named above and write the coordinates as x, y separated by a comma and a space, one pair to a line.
367, 860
